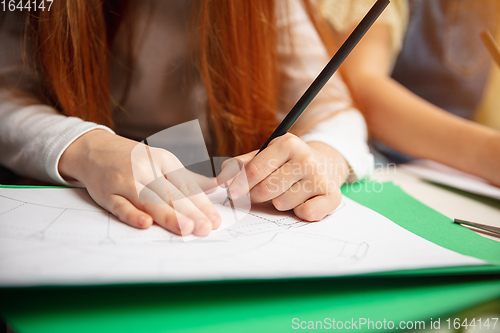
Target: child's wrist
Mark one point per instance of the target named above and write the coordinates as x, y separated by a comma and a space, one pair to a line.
74, 161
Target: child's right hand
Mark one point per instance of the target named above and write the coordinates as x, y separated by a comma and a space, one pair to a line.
115, 169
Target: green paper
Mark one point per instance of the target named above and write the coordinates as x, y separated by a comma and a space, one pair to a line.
33, 186
270, 306
237, 306
393, 203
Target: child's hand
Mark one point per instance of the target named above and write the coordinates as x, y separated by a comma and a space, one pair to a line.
114, 170
305, 177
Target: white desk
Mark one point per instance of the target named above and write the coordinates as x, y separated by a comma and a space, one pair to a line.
448, 203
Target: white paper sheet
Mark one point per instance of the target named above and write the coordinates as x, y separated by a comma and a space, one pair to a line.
61, 237
442, 174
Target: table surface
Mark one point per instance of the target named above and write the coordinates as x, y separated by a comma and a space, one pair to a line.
449, 202
233, 306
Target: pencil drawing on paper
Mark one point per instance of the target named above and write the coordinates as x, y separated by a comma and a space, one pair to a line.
60, 236
262, 233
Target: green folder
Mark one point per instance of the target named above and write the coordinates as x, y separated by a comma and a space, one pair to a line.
270, 306
393, 203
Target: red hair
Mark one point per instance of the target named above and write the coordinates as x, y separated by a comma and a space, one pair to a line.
237, 60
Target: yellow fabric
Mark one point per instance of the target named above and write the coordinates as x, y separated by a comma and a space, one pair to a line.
343, 15
488, 112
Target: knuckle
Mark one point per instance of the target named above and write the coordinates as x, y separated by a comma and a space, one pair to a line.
159, 152
290, 136
208, 209
263, 189
118, 208
278, 204
325, 179
308, 213
321, 184
253, 171
307, 160
292, 140
128, 215
290, 143
164, 156
190, 189
175, 196
117, 179
333, 193
334, 188
99, 194
169, 219
141, 166
233, 163
145, 206
285, 144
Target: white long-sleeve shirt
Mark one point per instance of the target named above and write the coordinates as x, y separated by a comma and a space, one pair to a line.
164, 92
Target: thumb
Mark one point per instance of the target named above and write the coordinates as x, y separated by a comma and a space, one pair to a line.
230, 168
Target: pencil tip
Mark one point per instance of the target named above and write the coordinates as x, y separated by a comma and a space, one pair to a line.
225, 201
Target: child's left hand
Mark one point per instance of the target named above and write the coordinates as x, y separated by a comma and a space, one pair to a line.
305, 177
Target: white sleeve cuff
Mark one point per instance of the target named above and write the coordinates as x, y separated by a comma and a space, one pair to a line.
346, 133
33, 138
59, 145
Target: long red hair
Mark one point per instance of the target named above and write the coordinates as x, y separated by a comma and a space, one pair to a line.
236, 57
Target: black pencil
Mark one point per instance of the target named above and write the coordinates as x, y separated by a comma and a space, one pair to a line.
327, 72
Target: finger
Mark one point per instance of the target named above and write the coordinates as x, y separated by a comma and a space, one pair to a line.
166, 217
202, 226
230, 169
202, 202
172, 195
277, 183
163, 214
316, 208
226, 184
192, 186
304, 190
262, 165
193, 181
146, 166
244, 159
296, 195
206, 184
211, 190
186, 183
126, 212
188, 187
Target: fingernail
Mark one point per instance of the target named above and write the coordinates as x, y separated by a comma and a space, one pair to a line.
201, 222
234, 195
143, 221
214, 218
204, 226
183, 222
186, 226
